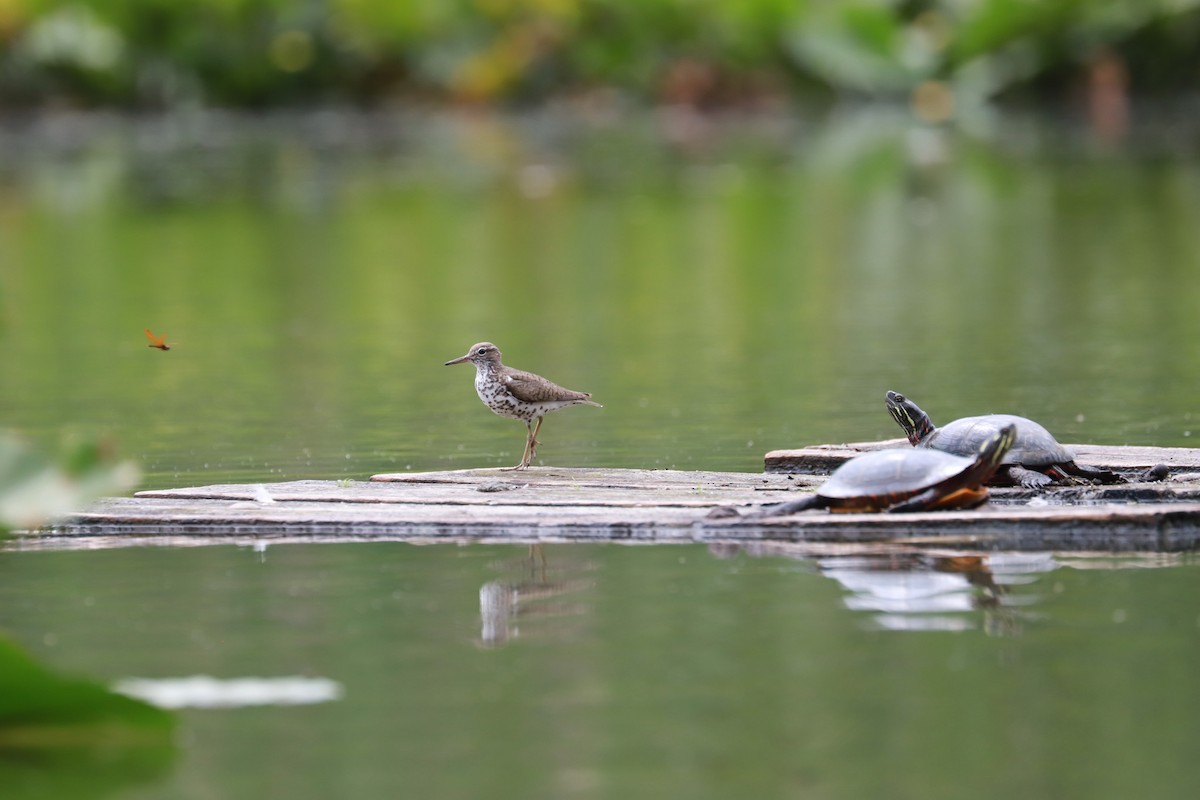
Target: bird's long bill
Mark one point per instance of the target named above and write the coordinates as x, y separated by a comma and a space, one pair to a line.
458, 360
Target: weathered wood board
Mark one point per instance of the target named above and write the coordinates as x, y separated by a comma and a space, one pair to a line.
553, 504
484, 501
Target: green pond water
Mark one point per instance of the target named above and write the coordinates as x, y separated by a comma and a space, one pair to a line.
620, 671
723, 289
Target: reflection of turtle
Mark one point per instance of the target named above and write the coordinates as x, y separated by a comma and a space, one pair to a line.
907, 480
1035, 459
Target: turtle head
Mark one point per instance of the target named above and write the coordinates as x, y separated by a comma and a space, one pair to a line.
996, 448
909, 416
989, 458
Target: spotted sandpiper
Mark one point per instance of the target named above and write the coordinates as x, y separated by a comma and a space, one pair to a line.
518, 395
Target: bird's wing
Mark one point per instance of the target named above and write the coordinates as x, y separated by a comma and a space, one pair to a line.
530, 388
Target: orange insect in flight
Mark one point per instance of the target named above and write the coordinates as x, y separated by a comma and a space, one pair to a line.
157, 341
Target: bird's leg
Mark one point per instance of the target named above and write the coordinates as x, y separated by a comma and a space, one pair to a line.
533, 441
526, 454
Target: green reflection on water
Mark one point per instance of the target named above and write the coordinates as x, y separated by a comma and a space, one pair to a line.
742, 291
633, 671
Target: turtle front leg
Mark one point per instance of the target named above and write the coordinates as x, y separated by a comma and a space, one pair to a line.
918, 502
936, 498
1027, 478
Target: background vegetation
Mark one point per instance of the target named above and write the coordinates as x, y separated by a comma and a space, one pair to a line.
255, 53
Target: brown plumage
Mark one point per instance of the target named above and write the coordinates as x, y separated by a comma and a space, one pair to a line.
516, 394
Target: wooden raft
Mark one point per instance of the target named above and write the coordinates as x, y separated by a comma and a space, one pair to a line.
596, 504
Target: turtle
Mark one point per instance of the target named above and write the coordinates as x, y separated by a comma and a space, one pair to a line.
1035, 460
901, 479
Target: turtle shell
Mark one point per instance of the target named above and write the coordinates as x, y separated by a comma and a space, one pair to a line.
1034, 446
892, 474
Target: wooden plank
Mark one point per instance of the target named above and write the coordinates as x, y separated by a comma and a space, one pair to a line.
823, 459
1127, 527
636, 505
597, 477
655, 489
536, 486
1110, 527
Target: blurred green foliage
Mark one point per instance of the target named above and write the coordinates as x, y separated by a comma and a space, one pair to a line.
35, 487
40, 708
68, 737
253, 53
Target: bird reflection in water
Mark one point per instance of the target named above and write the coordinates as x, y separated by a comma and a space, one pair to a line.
926, 590
533, 590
